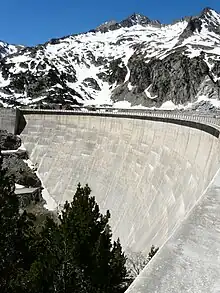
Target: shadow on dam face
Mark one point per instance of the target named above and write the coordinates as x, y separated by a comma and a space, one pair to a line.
148, 174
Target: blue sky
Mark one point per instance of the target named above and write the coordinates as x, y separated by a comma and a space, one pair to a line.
30, 22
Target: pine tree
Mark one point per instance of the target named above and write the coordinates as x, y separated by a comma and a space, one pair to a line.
48, 250
84, 230
16, 235
103, 265
118, 269
75, 254
9, 214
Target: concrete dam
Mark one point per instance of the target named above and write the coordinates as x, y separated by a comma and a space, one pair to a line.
156, 173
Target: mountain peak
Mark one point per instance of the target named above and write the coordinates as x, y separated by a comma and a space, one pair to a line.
211, 19
137, 18
209, 14
208, 19
207, 11
106, 25
133, 19
6, 49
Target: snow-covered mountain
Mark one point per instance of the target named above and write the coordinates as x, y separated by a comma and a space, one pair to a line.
6, 49
136, 62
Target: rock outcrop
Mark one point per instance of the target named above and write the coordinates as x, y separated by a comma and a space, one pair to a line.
9, 141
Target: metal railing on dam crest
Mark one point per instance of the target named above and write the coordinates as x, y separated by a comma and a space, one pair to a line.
209, 122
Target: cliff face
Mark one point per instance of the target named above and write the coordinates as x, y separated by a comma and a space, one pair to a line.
175, 78
136, 60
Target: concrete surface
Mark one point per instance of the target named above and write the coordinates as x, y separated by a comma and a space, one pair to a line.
8, 120
190, 259
28, 195
148, 174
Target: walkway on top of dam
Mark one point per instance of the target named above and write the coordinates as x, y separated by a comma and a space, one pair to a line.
201, 121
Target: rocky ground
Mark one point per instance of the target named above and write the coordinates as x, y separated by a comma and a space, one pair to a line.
23, 175
28, 186
9, 141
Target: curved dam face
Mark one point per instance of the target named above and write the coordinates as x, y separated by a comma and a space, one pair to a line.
148, 174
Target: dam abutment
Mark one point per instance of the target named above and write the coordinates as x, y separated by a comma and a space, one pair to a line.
8, 120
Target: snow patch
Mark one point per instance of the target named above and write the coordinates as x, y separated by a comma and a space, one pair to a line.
122, 104
214, 102
102, 97
130, 87
18, 186
148, 94
58, 86
168, 105
18, 59
51, 204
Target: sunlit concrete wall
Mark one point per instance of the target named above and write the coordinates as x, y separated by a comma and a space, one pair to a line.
8, 120
148, 174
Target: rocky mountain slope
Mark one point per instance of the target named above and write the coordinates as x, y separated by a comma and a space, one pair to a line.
136, 60
6, 49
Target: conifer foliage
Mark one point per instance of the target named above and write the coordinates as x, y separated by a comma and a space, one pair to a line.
9, 256
16, 235
74, 254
